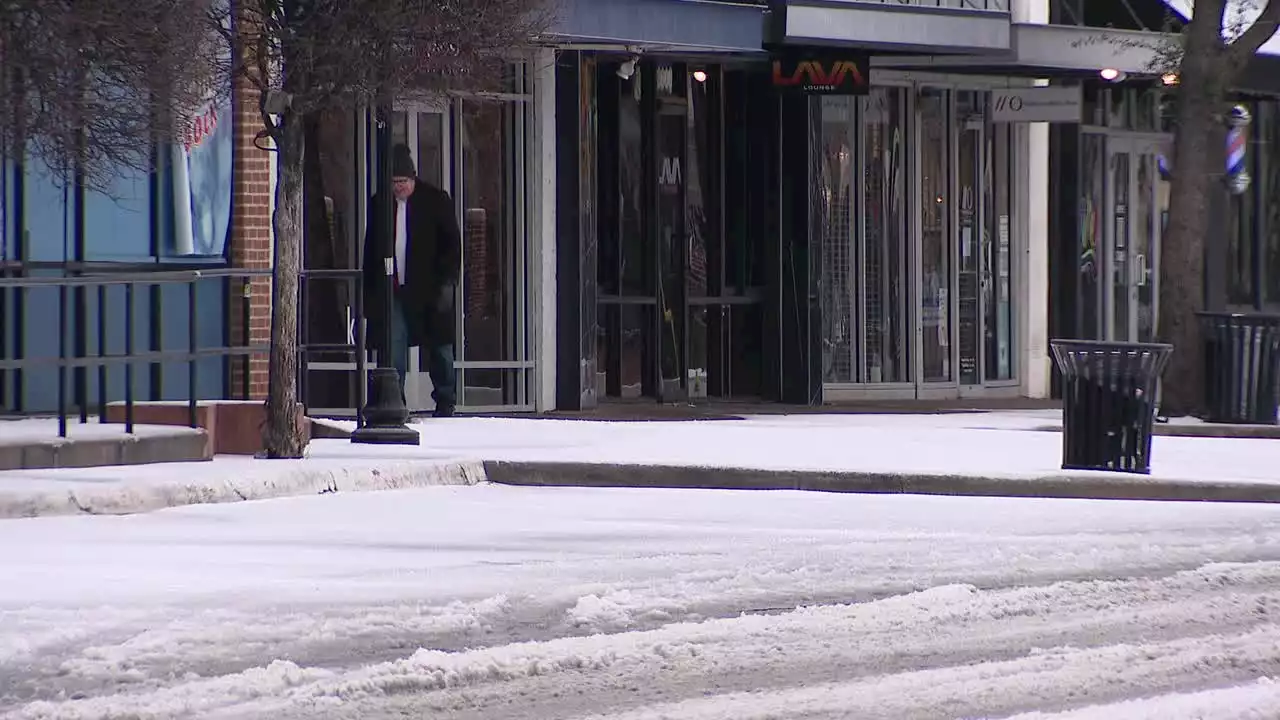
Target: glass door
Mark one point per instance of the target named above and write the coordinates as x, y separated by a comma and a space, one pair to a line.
863, 201
1133, 205
493, 355
971, 238
885, 251
474, 148
936, 246
1146, 239
916, 286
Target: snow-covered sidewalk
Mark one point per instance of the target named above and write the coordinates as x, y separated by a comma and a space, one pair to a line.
1000, 445
499, 603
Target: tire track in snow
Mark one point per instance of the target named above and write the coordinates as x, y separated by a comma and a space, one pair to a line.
1104, 640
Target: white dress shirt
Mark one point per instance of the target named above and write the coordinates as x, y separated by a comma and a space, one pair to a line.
401, 238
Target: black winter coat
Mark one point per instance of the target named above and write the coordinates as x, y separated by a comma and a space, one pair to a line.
433, 254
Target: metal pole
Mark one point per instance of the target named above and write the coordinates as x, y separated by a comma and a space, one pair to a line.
386, 221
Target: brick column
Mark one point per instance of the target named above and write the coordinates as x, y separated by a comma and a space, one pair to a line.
250, 236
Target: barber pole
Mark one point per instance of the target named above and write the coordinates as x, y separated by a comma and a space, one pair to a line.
1237, 142
1237, 177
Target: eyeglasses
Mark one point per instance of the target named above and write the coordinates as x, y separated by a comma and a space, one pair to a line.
402, 180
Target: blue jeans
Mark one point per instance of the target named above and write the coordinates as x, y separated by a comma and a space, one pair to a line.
439, 361
444, 380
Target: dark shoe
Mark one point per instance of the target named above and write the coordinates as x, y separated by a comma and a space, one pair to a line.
443, 411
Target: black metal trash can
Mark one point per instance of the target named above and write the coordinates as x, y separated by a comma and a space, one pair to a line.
1241, 367
1108, 396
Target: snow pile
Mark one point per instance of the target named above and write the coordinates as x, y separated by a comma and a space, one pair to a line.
143, 488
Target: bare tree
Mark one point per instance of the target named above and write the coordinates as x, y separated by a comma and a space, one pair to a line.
89, 87
1214, 48
308, 55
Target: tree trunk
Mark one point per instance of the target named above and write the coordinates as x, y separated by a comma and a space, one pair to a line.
1198, 165
284, 436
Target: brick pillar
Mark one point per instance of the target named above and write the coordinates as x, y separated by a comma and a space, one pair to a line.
250, 237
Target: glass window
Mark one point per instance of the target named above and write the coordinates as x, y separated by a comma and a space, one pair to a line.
998, 256
1267, 133
588, 222
635, 270
935, 233
117, 222
1242, 226
431, 155
1089, 253
887, 331
971, 207
1095, 105
492, 297
835, 195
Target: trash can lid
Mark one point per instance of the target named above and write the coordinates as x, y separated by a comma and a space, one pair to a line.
1108, 346
1256, 317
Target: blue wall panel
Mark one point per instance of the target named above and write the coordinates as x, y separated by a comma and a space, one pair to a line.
41, 319
118, 228
117, 222
48, 217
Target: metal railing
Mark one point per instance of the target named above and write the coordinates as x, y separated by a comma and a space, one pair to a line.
999, 5
353, 349
75, 359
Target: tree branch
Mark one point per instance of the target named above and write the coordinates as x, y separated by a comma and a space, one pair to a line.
1246, 46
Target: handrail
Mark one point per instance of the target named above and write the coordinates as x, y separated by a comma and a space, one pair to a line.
75, 282
997, 5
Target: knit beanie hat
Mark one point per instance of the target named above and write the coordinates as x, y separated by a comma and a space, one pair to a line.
402, 162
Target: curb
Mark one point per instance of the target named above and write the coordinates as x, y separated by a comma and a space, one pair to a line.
1103, 486
129, 498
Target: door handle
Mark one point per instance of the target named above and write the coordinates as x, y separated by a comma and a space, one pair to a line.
1141, 270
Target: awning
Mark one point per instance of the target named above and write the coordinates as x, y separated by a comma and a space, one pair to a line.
1054, 51
661, 25
876, 25
1051, 50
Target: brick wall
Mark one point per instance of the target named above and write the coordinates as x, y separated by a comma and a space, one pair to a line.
250, 236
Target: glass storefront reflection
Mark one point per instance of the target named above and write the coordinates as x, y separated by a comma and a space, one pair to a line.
332, 222
1090, 253
493, 248
970, 229
836, 196
886, 354
935, 234
997, 256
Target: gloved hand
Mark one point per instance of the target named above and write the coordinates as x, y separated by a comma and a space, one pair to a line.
444, 297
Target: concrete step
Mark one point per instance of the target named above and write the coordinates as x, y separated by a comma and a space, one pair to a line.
23, 446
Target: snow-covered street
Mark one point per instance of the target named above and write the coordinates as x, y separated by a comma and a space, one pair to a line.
495, 602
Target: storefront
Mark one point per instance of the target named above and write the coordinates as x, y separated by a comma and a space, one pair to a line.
918, 202
1111, 173
724, 234
917, 223
666, 156
1113, 186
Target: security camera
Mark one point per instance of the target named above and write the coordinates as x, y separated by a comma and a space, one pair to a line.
627, 69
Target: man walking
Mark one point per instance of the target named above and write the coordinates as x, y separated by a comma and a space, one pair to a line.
427, 249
